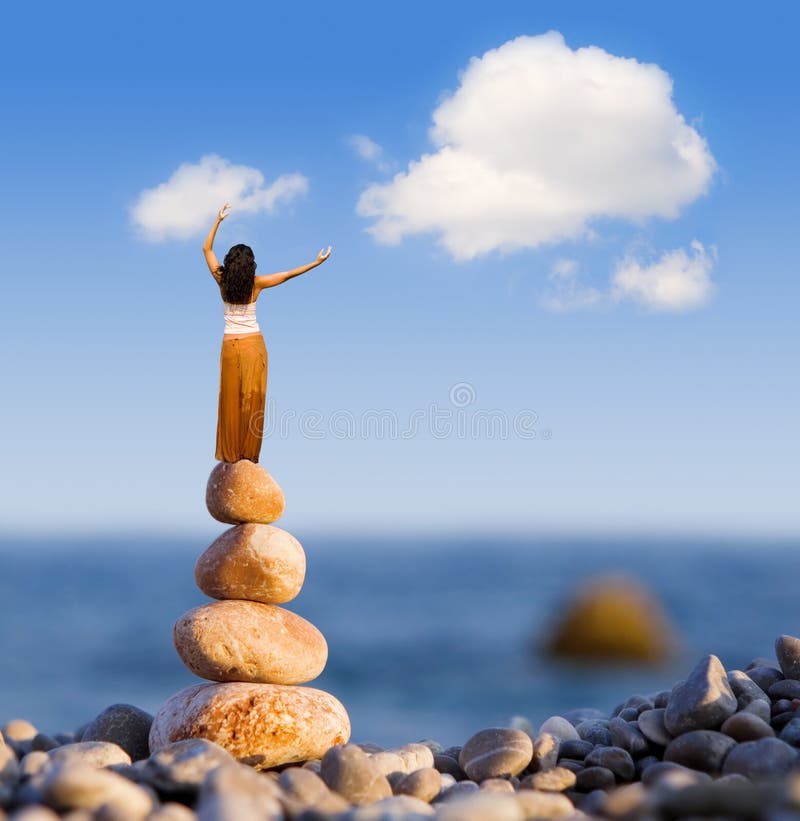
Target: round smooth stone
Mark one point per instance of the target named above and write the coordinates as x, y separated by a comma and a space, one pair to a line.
446, 764
264, 725
595, 730
252, 561
18, 729
616, 759
425, 784
651, 724
237, 640
242, 492
546, 747
594, 778
575, 748
415, 756
765, 758
388, 761
302, 788
348, 771
745, 689
179, 770
124, 725
556, 779
457, 791
73, 785
560, 727
791, 732
496, 752
744, 726
497, 785
703, 750
483, 806
787, 651
703, 701
789, 688
536, 804
765, 676
238, 791
628, 736
94, 753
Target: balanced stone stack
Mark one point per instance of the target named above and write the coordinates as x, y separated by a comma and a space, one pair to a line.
254, 653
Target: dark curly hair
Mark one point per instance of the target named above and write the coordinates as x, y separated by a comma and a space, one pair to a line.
237, 274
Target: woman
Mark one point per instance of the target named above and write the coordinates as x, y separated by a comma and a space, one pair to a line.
243, 360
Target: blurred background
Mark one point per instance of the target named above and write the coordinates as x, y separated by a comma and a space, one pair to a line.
487, 396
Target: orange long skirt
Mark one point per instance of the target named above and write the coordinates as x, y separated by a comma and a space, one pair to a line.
242, 395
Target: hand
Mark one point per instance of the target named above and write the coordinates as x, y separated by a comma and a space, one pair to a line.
222, 212
323, 255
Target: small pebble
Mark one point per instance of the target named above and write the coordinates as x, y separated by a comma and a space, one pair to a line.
560, 727
537, 804
497, 785
703, 750
651, 725
595, 730
95, 753
556, 779
760, 759
703, 701
787, 651
425, 784
575, 748
594, 778
546, 747
615, 759
124, 725
496, 751
629, 737
349, 771
19, 730
765, 676
743, 726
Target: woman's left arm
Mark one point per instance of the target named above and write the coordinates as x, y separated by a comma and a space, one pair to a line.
208, 251
270, 280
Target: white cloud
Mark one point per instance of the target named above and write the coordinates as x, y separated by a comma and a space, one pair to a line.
368, 150
184, 205
677, 281
566, 293
536, 142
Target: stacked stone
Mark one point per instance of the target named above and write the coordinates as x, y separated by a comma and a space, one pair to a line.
254, 653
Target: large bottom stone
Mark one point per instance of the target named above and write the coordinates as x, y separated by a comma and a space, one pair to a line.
263, 725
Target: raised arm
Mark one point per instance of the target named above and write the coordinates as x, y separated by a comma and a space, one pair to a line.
271, 280
208, 251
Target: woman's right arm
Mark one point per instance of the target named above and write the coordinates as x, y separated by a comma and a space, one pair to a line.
208, 250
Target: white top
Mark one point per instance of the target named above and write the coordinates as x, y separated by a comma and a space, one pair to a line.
240, 318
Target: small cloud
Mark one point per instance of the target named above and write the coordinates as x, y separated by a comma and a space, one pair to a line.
566, 294
676, 282
368, 150
181, 207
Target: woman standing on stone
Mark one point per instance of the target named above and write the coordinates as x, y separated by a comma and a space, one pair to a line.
243, 359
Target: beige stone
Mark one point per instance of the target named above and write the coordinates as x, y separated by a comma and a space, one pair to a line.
243, 491
263, 725
252, 561
249, 641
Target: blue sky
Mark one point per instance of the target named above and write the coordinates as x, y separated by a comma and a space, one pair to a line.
663, 401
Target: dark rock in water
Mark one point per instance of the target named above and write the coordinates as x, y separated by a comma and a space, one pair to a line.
765, 677
613, 617
124, 725
703, 750
765, 758
703, 701
787, 651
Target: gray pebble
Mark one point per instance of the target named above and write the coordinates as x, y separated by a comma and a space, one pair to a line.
503, 785
761, 709
486, 806
595, 778
791, 732
658, 772
745, 689
615, 759
744, 726
703, 701
237, 791
388, 761
628, 714
661, 699
759, 759
703, 750
425, 784
457, 792
782, 705
570, 764
179, 770
764, 677
42, 741
95, 753
560, 727
595, 730
651, 725
580, 714
788, 688
349, 771
536, 804
575, 748
302, 788
124, 725
73, 785
546, 747
496, 751
787, 651
446, 764
629, 737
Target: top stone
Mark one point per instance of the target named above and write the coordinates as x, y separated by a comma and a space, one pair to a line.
239, 492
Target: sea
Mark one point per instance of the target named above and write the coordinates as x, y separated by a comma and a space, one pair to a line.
430, 636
